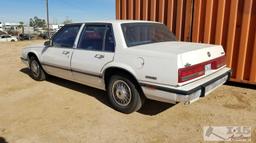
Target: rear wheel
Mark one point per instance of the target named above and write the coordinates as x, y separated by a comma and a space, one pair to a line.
123, 94
36, 70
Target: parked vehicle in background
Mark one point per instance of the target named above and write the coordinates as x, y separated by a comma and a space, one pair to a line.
2, 33
8, 38
25, 37
131, 60
45, 35
1, 27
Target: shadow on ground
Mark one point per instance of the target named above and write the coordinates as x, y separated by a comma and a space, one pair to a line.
242, 85
152, 107
149, 108
2, 140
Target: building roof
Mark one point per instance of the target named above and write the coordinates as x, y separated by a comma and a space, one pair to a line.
11, 24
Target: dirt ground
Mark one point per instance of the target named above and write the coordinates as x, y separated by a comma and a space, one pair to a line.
59, 111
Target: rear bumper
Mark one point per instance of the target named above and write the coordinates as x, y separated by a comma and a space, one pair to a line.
187, 93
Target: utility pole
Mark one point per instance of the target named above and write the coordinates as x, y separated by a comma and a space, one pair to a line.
47, 14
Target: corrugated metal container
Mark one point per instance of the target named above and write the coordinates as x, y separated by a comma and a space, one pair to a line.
231, 23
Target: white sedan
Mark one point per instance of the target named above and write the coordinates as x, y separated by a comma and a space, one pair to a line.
8, 38
131, 61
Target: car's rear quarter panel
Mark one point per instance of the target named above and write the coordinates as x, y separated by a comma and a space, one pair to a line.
163, 69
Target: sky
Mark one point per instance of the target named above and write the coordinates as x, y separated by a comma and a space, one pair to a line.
59, 10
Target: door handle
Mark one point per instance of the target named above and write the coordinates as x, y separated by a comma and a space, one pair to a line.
65, 52
99, 56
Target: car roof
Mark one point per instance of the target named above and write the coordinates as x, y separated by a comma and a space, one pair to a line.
116, 21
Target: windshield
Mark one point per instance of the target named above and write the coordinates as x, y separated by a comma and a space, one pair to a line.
145, 33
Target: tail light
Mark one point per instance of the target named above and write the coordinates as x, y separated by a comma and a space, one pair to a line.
219, 62
198, 70
191, 72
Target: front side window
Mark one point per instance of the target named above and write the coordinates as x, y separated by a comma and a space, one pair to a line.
97, 38
146, 33
66, 36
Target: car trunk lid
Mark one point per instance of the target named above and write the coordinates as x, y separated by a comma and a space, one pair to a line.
188, 53
194, 60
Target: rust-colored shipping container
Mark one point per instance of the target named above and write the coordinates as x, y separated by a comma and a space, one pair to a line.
231, 23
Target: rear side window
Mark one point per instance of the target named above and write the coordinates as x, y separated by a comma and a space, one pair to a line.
92, 38
66, 36
97, 38
109, 40
146, 33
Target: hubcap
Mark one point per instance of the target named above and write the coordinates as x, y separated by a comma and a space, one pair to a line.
121, 93
35, 68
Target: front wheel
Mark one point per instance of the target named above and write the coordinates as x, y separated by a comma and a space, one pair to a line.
123, 94
36, 70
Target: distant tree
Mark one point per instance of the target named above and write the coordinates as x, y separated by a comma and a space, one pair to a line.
67, 21
37, 22
21, 25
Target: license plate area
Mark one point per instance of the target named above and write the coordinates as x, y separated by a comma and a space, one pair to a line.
207, 68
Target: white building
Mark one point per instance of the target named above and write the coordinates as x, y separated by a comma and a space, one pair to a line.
28, 30
54, 27
1, 26
11, 26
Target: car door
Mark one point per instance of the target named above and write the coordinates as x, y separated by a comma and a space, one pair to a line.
95, 49
56, 58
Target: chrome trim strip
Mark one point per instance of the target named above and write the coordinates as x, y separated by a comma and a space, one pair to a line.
72, 70
151, 77
55, 66
86, 73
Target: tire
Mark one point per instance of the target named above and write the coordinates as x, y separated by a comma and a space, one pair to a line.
123, 94
36, 71
12, 40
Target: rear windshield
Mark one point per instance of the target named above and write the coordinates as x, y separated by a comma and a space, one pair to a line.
146, 33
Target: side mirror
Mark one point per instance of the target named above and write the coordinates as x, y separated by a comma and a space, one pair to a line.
48, 43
